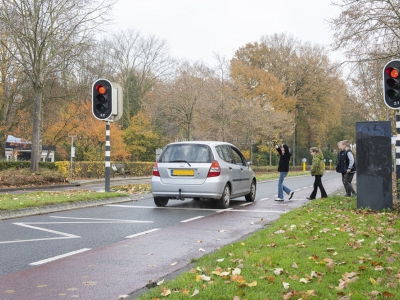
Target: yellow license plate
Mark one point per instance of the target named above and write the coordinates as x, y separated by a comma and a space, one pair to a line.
182, 172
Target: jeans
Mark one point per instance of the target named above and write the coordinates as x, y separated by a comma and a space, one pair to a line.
346, 179
281, 187
318, 184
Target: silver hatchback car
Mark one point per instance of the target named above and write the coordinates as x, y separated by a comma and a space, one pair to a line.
202, 169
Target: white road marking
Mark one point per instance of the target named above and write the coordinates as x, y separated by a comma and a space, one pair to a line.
245, 204
141, 233
195, 218
158, 207
262, 199
102, 220
41, 262
67, 235
185, 208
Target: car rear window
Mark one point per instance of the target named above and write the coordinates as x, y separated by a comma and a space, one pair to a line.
187, 153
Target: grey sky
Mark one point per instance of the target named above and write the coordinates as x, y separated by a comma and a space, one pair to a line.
194, 29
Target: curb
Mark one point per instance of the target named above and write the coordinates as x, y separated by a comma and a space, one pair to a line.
39, 187
26, 212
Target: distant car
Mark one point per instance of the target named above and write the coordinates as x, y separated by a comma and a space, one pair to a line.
202, 170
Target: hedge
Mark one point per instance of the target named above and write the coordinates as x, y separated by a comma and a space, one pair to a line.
83, 169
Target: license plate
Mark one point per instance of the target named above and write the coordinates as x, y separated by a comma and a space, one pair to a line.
182, 172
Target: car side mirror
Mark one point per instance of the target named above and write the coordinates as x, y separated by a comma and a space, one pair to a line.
248, 163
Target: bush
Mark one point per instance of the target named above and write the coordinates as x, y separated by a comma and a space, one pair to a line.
24, 164
96, 169
20, 177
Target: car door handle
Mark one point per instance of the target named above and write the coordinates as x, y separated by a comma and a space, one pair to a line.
230, 168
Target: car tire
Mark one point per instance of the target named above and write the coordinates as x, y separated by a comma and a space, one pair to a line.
160, 201
225, 200
250, 197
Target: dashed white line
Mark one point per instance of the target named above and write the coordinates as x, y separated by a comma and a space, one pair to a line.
195, 218
141, 233
41, 262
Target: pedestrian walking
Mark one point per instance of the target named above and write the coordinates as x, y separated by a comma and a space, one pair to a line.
317, 170
350, 169
347, 167
283, 169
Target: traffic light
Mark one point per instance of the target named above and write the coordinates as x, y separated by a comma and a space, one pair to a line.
391, 84
102, 99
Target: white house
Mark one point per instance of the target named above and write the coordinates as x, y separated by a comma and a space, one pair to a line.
20, 149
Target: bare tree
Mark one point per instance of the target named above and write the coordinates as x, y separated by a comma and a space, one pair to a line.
368, 29
46, 35
139, 62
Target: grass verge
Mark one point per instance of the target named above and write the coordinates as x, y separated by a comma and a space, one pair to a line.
327, 249
19, 201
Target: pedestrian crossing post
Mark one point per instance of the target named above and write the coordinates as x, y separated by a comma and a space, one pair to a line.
397, 154
108, 150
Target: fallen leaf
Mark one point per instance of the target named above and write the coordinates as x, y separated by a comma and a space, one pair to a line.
205, 278
294, 265
185, 292
202, 250
285, 285
254, 283
387, 295
278, 271
174, 263
165, 292
236, 271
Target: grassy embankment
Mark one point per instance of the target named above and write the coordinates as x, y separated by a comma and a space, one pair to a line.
326, 249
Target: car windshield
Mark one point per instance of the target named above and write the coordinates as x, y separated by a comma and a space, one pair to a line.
191, 153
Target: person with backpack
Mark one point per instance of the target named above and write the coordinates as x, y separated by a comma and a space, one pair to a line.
283, 169
317, 170
347, 167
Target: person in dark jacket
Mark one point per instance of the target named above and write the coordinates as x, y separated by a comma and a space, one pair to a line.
283, 169
347, 167
317, 170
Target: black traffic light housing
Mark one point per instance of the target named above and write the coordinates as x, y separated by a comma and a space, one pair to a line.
102, 99
107, 100
391, 84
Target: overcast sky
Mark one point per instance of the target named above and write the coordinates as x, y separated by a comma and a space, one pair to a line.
195, 29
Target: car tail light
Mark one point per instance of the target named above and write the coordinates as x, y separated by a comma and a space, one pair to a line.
155, 170
215, 169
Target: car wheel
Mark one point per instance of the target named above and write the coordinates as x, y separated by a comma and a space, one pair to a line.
252, 195
159, 201
224, 201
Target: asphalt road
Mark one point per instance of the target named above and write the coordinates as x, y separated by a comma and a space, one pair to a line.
113, 250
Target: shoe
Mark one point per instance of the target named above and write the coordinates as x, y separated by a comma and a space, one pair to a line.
278, 199
347, 195
309, 198
291, 195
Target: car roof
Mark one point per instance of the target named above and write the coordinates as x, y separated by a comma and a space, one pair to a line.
211, 143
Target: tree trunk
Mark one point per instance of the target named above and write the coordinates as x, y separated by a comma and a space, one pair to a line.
37, 108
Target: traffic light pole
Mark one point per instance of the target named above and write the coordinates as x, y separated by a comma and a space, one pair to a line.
108, 148
397, 160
